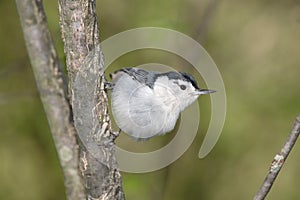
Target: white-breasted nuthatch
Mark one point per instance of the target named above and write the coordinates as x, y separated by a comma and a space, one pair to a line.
147, 103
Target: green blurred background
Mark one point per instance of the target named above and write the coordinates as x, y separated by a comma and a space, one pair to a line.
256, 46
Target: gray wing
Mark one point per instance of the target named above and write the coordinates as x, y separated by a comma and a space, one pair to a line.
141, 75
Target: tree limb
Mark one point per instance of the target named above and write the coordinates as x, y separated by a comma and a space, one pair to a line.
85, 65
278, 161
53, 91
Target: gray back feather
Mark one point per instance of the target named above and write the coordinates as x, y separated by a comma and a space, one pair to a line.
141, 75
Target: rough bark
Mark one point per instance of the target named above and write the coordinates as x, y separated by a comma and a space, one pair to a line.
52, 83
85, 65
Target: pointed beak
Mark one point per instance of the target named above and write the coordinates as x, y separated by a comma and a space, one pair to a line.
205, 91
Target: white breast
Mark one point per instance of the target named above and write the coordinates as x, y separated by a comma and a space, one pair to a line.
139, 111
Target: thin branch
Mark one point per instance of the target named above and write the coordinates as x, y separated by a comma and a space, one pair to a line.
80, 32
205, 20
278, 161
53, 91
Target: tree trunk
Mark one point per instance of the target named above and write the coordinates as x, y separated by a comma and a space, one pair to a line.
52, 83
88, 106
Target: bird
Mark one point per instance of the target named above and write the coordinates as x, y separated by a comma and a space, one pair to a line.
148, 103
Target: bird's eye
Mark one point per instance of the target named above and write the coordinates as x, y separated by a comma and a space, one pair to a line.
183, 87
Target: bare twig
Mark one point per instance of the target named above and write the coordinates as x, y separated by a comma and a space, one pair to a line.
53, 91
278, 161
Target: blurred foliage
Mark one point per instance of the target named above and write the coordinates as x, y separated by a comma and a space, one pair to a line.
256, 47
